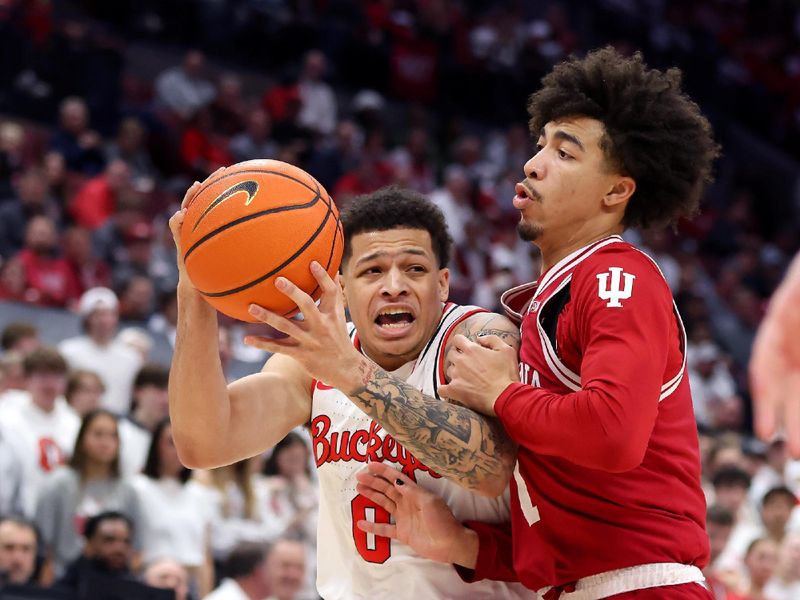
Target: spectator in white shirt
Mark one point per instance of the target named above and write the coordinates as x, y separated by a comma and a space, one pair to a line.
175, 511
247, 577
184, 89
318, 111
149, 407
99, 349
84, 391
44, 427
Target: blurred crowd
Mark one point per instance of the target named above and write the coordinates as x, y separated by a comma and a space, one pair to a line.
109, 111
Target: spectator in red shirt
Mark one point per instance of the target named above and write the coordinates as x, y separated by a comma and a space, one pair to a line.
89, 270
96, 200
49, 281
202, 152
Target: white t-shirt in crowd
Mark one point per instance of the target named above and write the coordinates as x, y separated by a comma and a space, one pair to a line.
115, 363
134, 443
175, 519
228, 590
42, 441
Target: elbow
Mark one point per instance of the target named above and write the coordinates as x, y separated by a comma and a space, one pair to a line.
193, 454
494, 484
623, 456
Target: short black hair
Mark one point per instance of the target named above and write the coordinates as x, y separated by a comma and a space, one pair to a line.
654, 133
719, 515
394, 207
778, 492
731, 476
93, 523
152, 374
244, 558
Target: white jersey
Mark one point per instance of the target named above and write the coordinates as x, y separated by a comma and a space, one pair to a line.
353, 564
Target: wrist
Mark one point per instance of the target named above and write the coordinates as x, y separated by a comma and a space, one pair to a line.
357, 374
465, 549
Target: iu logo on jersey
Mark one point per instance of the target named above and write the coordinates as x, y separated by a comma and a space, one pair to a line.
614, 291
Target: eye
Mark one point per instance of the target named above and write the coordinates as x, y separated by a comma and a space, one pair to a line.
539, 146
563, 154
371, 271
418, 269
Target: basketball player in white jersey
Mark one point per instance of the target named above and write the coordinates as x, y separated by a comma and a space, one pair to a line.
395, 284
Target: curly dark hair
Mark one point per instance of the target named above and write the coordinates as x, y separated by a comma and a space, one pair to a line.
395, 208
654, 133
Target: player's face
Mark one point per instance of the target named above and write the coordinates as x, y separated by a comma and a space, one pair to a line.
394, 289
565, 183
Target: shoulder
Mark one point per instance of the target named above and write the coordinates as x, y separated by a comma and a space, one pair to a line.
621, 254
61, 478
617, 266
487, 323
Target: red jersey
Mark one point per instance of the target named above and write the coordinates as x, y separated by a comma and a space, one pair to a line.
608, 470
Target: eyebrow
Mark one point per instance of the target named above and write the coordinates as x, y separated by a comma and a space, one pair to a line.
563, 135
374, 255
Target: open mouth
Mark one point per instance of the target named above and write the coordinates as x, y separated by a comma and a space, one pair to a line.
394, 319
523, 198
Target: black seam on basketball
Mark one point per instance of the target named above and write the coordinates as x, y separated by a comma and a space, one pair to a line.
330, 256
297, 253
270, 211
270, 171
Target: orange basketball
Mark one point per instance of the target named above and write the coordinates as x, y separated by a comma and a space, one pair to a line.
255, 221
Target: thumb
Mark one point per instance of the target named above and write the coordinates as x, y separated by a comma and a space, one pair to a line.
492, 341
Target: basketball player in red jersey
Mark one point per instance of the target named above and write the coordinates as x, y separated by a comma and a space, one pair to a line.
775, 364
606, 497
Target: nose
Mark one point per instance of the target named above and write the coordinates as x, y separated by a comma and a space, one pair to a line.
534, 169
394, 284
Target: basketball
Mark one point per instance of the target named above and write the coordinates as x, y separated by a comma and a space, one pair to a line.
253, 222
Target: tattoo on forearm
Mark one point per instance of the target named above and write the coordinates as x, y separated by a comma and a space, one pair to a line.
451, 439
448, 437
366, 370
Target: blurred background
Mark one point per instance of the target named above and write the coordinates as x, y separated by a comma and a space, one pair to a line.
110, 110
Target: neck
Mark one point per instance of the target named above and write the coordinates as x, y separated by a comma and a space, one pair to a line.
551, 254
252, 589
96, 470
101, 340
147, 419
45, 404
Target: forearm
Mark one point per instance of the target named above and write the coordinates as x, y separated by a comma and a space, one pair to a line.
198, 397
467, 447
600, 429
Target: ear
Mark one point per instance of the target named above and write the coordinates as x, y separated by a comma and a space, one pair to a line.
621, 190
444, 284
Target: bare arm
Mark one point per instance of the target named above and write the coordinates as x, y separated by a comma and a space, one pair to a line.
468, 447
775, 363
459, 443
214, 423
